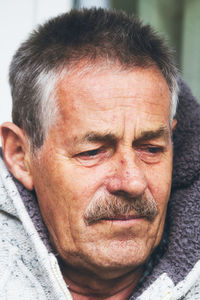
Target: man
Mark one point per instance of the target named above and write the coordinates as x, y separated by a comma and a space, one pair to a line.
94, 103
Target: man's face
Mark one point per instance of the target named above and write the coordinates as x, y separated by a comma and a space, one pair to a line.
103, 177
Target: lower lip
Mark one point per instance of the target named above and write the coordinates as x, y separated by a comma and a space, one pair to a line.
124, 222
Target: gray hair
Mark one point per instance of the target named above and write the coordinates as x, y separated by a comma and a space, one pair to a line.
91, 35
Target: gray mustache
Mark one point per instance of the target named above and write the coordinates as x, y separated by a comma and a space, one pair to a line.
111, 207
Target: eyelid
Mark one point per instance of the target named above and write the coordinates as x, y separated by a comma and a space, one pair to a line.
88, 153
157, 142
149, 146
85, 153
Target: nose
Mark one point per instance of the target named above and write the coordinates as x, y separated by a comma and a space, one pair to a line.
127, 175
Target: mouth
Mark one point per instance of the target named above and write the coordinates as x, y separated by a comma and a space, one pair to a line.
129, 219
123, 221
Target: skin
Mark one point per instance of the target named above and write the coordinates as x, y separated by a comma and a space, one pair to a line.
112, 136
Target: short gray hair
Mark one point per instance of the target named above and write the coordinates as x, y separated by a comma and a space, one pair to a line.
92, 35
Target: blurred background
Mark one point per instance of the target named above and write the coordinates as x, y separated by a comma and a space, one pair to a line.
177, 20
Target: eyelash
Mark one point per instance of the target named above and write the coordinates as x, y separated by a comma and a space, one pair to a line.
153, 149
90, 153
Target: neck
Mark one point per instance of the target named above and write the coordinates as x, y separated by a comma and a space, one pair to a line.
85, 285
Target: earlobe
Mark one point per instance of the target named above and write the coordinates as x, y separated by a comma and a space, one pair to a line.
16, 153
174, 123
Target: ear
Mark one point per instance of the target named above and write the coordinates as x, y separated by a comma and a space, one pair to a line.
174, 125
16, 153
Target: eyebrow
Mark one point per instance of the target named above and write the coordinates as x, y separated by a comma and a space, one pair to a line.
162, 132
95, 137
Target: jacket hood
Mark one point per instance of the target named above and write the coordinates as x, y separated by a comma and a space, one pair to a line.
179, 250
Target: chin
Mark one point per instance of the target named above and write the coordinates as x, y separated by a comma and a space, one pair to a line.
118, 259
116, 269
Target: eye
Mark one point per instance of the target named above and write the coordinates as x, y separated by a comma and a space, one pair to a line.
150, 153
90, 153
93, 157
154, 149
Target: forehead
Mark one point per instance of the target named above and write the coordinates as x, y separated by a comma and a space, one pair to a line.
109, 94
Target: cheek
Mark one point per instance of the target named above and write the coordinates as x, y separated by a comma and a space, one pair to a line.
69, 187
84, 183
159, 183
